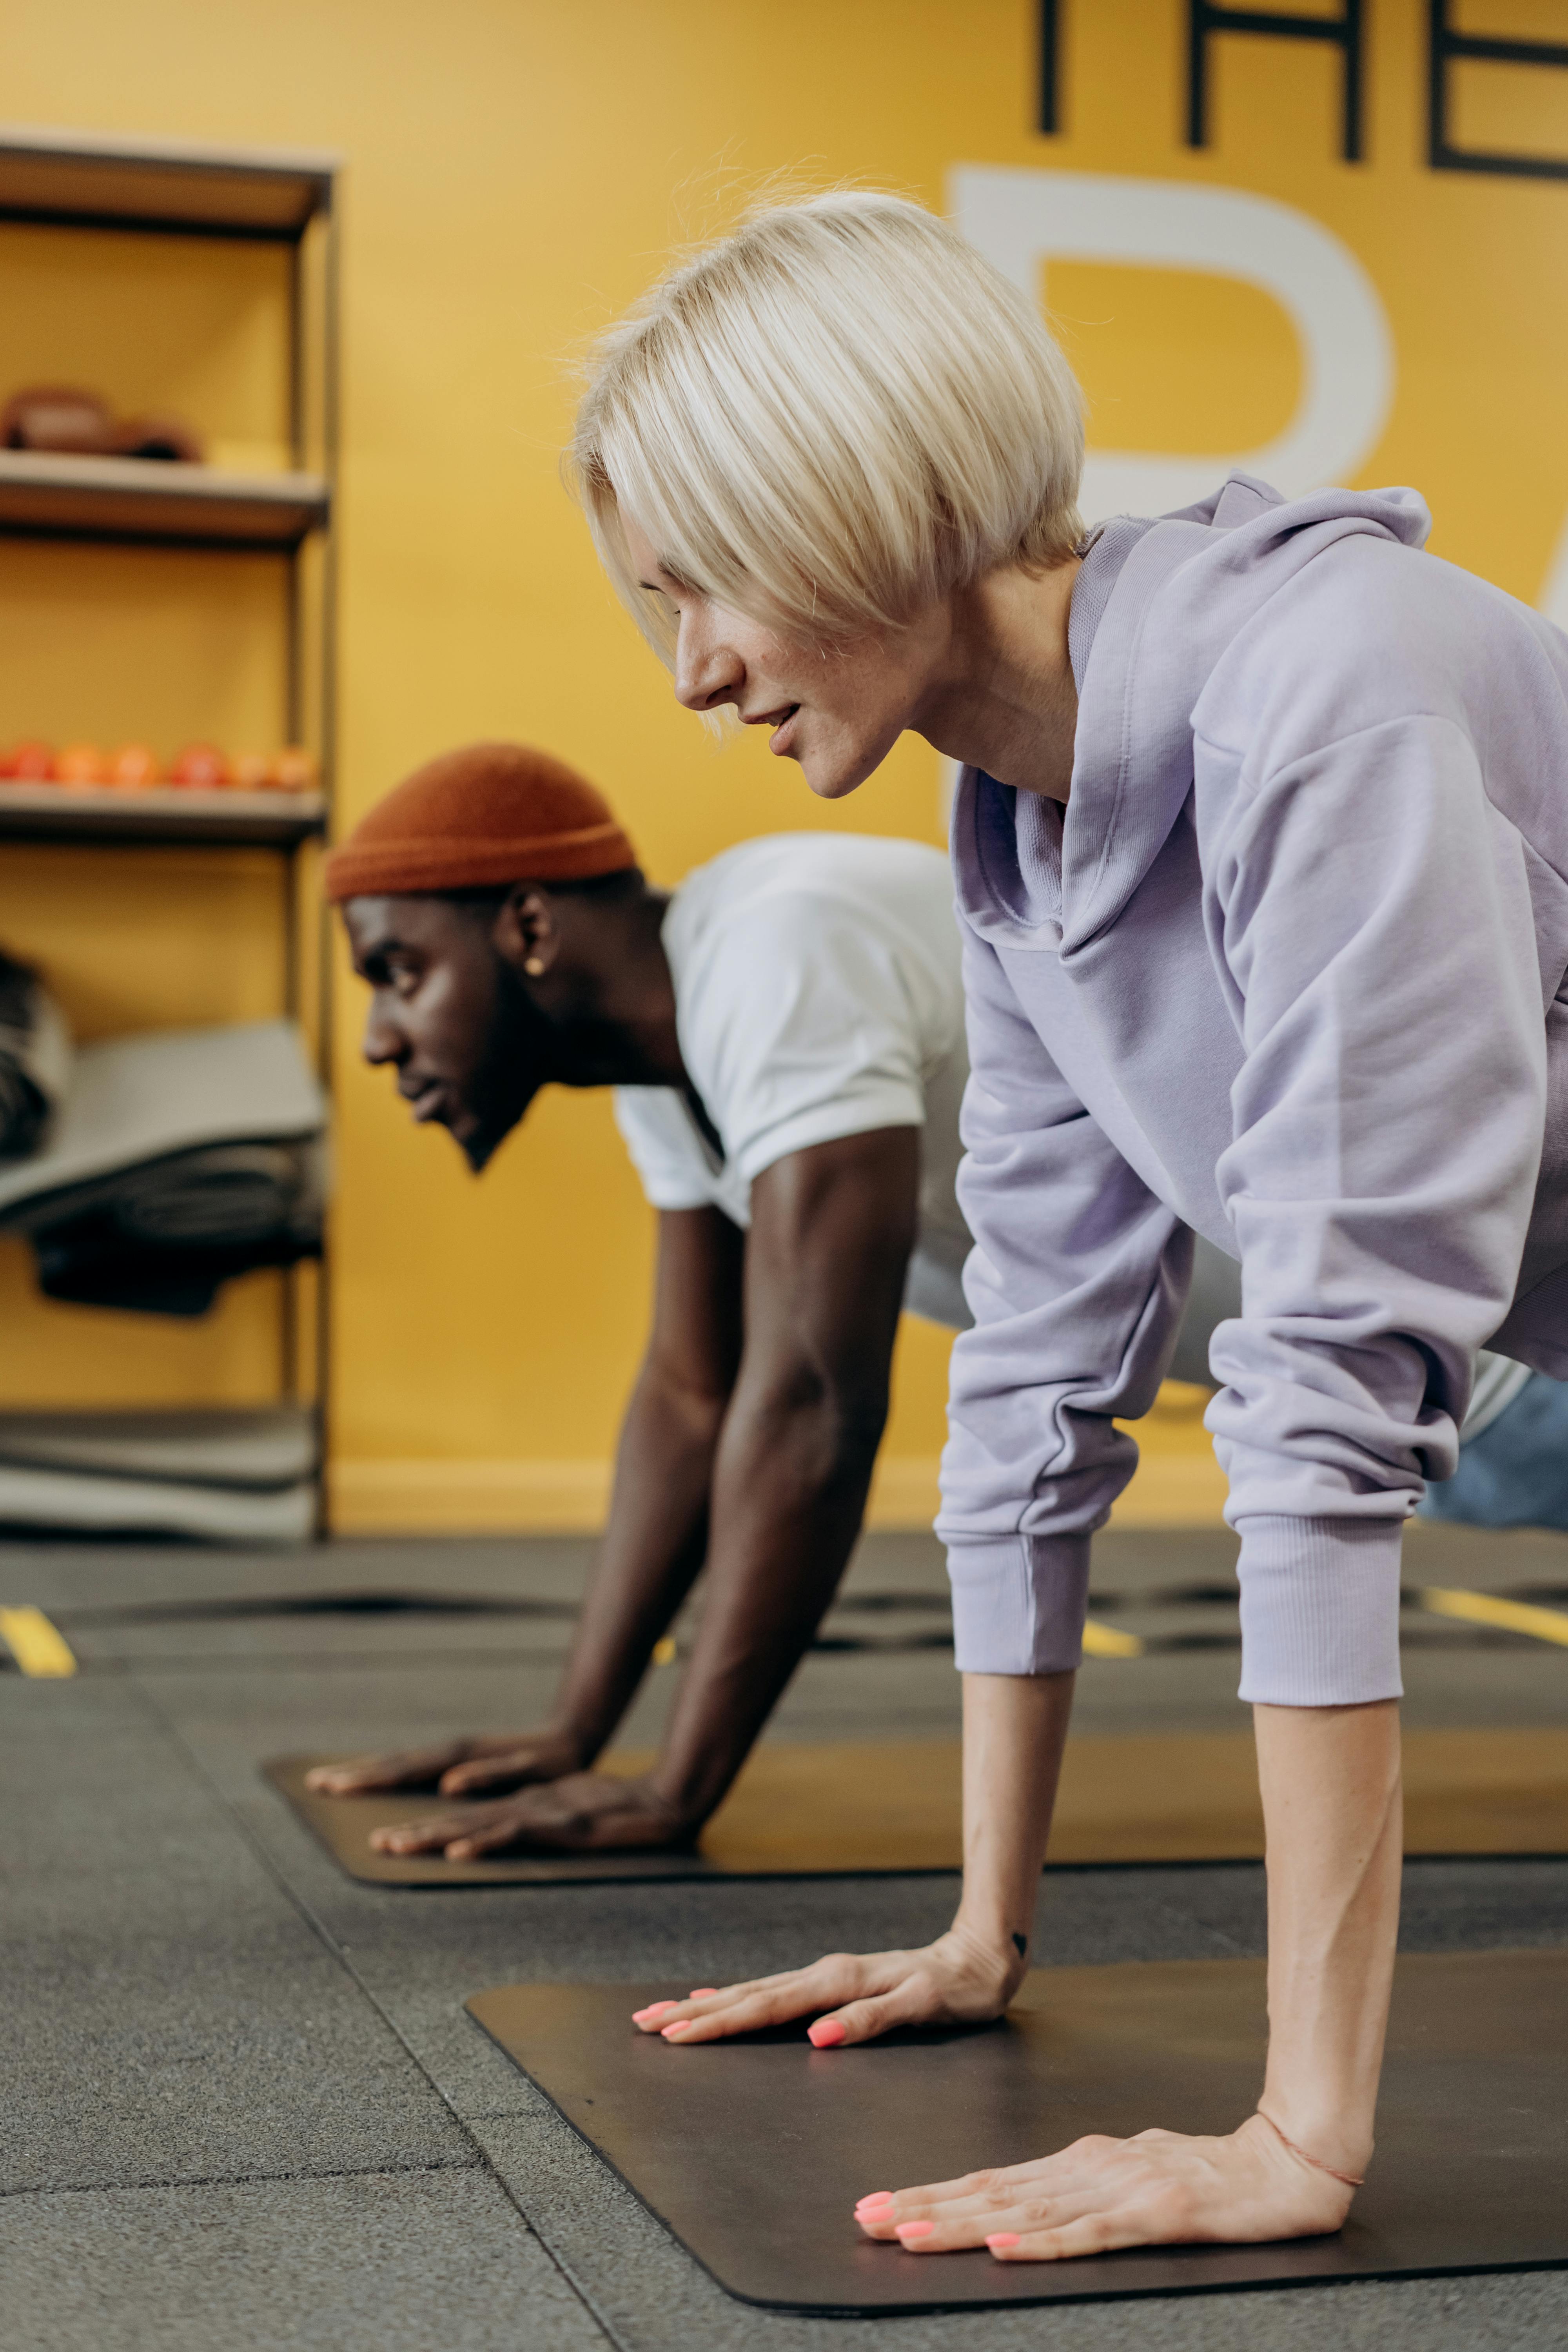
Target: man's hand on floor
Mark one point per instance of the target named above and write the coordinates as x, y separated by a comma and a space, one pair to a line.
457, 1768
584, 1812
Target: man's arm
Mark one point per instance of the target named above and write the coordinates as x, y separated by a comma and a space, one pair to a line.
832, 1229
653, 1543
658, 1530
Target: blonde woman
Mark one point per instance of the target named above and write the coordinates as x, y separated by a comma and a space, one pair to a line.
1262, 854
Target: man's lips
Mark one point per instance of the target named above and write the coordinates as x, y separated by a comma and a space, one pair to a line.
425, 1103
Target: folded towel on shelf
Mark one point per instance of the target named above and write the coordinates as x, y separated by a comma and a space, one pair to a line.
91, 1503
177, 1161
35, 1057
135, 1099
255, 1449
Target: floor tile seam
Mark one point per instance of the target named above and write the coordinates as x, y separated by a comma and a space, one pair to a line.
171, 1731
586, 2293
475, 2163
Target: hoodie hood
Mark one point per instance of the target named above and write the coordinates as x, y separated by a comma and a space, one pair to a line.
1033, 875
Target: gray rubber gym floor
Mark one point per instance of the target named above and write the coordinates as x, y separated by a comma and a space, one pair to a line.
243, 2106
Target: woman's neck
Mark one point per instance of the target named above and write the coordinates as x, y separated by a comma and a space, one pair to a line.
1003, 699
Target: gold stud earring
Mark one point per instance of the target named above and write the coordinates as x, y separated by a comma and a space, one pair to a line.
534, 966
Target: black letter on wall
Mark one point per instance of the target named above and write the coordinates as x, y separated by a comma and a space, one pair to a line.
1206, 17
1447, 45
1050, 65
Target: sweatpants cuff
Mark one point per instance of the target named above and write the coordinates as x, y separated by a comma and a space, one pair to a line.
1319, 1611
1018, 1603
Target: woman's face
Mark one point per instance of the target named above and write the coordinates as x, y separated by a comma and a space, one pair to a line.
837, 710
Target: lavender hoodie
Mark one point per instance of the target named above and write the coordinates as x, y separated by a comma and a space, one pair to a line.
1289, 969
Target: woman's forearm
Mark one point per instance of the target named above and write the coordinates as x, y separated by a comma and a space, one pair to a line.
1015, 1729
1332, 1806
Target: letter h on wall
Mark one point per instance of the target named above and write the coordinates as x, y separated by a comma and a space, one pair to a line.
1207, 17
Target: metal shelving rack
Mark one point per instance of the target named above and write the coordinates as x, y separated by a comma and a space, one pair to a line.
174, 188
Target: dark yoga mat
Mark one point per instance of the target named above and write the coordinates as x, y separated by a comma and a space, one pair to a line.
804, 1811
797, 1811
752, 2153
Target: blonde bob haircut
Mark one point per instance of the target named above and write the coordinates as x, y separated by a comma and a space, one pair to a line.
827, 422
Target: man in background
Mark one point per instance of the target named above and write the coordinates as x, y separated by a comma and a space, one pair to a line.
784, 1034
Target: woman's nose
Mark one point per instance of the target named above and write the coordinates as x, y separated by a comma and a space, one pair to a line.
706, 674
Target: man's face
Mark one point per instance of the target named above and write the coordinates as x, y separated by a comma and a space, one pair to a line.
448, 1015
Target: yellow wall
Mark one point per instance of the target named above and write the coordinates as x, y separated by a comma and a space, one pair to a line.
516, 170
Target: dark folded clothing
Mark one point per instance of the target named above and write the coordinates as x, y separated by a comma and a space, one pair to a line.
34, 1058
92, 1263
161, 1238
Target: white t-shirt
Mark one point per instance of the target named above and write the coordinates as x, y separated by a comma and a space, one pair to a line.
818, 994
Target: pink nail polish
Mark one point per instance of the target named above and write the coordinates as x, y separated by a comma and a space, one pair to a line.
703, 1992
668, 2032
907, 2229
878, 2197
825, 2034
654, 2009
1001, 2240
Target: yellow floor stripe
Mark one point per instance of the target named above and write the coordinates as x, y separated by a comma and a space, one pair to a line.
1104, 1641
38, 1647
1509, 1616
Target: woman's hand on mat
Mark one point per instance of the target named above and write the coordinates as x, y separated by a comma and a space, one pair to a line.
961, 1979
457, 1767
584, 1812
1159, 2190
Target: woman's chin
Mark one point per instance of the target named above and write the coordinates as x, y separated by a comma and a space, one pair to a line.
830, 778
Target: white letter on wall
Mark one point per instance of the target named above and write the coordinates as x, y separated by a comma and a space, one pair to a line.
1021, 219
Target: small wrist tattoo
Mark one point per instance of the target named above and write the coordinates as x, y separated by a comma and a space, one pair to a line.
1020, 1944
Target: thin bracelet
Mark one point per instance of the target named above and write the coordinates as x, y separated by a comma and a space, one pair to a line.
1350, 2180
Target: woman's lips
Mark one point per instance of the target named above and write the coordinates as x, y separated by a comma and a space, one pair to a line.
782, 736
426, 1104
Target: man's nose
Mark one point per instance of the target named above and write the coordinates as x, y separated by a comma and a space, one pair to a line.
382, 1040
707, 672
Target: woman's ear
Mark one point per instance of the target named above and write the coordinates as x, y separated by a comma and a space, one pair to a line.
526, 933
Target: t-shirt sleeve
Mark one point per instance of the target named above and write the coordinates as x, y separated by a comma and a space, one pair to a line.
664, 1149
798, 1027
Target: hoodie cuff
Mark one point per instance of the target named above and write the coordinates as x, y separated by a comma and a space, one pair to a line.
1018, 1603
1319, 1611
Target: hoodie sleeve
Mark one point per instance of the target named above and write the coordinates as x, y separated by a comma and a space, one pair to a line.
1376, 940
1076, 1284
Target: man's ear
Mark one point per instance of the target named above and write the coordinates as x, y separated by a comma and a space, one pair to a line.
526, 933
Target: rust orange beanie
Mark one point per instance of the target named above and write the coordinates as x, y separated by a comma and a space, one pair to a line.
490, 812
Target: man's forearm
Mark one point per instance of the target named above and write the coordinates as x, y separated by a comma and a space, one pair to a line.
1331, 1805
651, 1555
789, 1493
